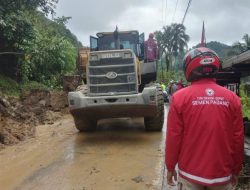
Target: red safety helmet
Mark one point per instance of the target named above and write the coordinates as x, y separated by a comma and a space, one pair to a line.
200, 63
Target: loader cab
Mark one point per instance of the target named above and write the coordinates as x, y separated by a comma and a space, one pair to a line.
120, 40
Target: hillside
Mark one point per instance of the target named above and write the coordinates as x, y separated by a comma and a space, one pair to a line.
220, 48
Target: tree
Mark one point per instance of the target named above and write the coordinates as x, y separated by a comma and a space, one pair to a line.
50, 54
16, 30
165, 44
179, 38
239, 47
172, 41
246, 39
15, 27
47, 48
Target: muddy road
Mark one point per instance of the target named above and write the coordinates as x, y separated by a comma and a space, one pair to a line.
119, 155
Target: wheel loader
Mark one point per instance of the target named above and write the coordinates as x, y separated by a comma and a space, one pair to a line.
118, 83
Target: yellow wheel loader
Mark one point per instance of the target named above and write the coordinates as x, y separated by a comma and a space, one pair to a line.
118, 83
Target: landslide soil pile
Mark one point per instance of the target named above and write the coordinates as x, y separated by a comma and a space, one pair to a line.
20, 116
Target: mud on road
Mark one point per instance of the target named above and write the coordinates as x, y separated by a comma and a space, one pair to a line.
19, 116
119, 155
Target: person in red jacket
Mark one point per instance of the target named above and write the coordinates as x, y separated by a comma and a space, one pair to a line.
151, 49
179, 85
204, 129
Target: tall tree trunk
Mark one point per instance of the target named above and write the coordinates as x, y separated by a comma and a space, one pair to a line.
170, 60
167, 62
176, 64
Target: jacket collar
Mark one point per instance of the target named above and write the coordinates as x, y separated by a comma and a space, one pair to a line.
205, 80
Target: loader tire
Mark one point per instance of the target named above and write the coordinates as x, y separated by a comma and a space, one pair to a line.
84, 125
156, 123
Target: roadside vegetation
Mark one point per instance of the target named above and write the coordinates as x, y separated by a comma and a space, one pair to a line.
173, 41
9, 86
12, 88
35, 50
245, 100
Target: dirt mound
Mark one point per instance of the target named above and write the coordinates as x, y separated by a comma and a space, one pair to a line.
19, 117
12, 132
70, 82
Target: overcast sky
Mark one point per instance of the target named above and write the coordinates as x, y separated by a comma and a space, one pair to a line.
226, 21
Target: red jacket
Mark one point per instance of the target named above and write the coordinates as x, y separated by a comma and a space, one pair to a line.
151, 50
205, 133
179, 86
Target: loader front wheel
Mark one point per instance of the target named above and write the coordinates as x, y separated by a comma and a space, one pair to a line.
84, 125
156, 123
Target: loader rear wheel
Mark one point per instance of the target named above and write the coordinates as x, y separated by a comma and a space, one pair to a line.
85, 125
156, 123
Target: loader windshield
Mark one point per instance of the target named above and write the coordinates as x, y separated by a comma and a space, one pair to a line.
126, 40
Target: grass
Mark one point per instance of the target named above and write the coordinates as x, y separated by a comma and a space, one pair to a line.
10, 87
31, 85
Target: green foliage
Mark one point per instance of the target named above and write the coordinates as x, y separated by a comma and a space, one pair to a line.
172, 41
246, 39
48, 48
16, 29
166, 76
60, 28
9, 86
51, 54
31, 85
238, 47
218, 47
46, 6
224, 51
245, 100
15, 26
